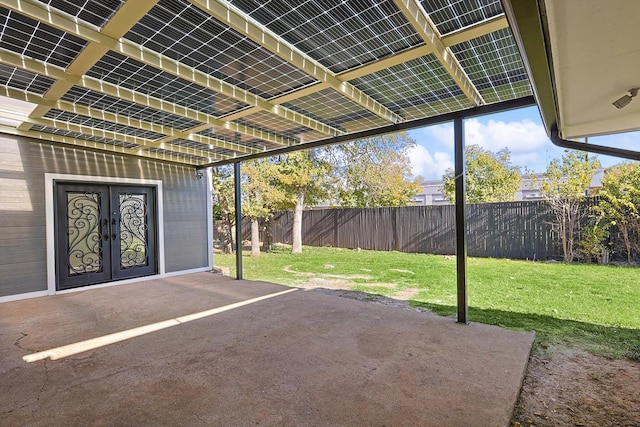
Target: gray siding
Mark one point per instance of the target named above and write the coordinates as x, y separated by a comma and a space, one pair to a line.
23, 164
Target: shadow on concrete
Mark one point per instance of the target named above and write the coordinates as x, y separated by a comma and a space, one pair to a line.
606, 340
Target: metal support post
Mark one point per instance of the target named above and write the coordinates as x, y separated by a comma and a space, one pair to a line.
238, 206
461, 221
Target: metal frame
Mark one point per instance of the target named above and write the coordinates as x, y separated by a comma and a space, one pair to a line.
512, 104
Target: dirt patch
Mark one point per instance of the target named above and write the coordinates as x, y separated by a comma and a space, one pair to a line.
565, 387
407, 294
381, 285
322, 282
288, 269
398, 270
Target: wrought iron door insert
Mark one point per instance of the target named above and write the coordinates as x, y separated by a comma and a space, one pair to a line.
104, 233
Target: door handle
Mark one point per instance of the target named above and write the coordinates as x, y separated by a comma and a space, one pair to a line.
114, 236
105, 225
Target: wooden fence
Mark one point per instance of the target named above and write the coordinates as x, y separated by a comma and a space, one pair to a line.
500, 230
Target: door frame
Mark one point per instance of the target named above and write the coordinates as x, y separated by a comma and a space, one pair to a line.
52, 178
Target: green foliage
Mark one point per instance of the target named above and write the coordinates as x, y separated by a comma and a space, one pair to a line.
490, 177
570, 176
619, 203
564, 186
222, 183
374, 172
591, 306
303, 172
261, 194
592, 242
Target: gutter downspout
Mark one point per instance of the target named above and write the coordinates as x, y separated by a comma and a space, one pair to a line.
556, 139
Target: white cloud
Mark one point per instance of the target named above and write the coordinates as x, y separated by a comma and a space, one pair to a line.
519, 137
525, 139
429, 166
441, 134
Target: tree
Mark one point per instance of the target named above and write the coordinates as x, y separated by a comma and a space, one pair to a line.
302, 175
490, 177
374, 171
564, 186
223, 203
260, 195
619, 204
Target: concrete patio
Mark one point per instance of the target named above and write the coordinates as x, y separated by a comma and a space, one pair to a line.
292, 358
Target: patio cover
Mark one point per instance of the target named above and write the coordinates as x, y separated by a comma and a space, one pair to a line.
205, 82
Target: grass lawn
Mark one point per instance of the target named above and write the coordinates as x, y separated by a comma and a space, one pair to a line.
589, 306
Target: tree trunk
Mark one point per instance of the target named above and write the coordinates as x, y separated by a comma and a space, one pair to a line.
266, 239
297, 222
627, 242
255, 237
227, 228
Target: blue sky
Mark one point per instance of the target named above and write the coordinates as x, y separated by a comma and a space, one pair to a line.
521, 131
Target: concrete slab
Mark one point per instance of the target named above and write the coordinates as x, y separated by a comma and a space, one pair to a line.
298, 358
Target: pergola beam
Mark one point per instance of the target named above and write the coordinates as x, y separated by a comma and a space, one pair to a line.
245, 25
480, 29
421, 22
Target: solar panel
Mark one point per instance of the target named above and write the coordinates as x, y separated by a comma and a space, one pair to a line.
340, 35
83, 136
453, 15
172, 155
494, 65
270, 123
131, 74
16, 78
122, 107
414, 88
332, 108
103, 125
92, 11
36, 40
238, 138
183, 32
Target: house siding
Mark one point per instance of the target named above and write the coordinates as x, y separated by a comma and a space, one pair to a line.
23, 165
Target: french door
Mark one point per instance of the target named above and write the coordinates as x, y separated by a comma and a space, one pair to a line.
104, 233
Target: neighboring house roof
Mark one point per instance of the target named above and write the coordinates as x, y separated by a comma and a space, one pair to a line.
431, 193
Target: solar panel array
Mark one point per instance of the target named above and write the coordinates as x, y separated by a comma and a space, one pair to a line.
202, 81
